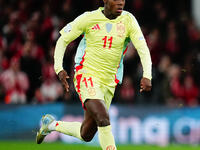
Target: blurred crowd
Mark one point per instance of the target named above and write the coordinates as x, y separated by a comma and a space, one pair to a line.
29, 30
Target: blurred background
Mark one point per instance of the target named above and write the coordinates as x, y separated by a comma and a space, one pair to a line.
29, 87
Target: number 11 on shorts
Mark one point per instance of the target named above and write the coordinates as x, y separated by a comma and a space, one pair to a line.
85, 80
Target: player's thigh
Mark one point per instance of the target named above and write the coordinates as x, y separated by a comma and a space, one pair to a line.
97, 109
89, 127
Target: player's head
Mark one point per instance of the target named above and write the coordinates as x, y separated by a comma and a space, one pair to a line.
115, 7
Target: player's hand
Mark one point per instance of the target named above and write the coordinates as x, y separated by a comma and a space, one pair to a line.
63, 76
145, 85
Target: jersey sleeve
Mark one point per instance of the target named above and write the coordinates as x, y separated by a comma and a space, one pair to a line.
69, 33
139, 42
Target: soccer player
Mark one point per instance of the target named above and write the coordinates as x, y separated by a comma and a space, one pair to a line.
98, 69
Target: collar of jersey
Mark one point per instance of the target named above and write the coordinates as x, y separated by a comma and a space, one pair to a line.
102, 8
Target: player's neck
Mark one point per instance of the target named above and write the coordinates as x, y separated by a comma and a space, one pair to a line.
108, 14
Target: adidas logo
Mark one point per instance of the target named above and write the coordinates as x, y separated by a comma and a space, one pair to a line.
96, 27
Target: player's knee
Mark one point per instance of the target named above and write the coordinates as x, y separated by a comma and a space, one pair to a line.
103, 121
86, 138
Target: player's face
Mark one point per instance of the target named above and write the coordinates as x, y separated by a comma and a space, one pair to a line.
115, 7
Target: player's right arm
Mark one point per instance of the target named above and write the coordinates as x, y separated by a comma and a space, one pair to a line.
70, 32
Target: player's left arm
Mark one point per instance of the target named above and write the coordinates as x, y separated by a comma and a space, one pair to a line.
140, 44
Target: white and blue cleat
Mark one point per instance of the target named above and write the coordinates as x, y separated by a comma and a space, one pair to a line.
44, 131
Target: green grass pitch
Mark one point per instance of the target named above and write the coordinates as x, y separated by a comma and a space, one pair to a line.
14, 145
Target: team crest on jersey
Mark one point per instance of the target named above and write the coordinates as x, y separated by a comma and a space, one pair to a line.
91, 91
120, 29
108, 27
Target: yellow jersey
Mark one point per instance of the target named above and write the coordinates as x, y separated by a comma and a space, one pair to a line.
102, 49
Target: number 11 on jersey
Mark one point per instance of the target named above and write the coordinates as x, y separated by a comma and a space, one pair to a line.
109, 40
